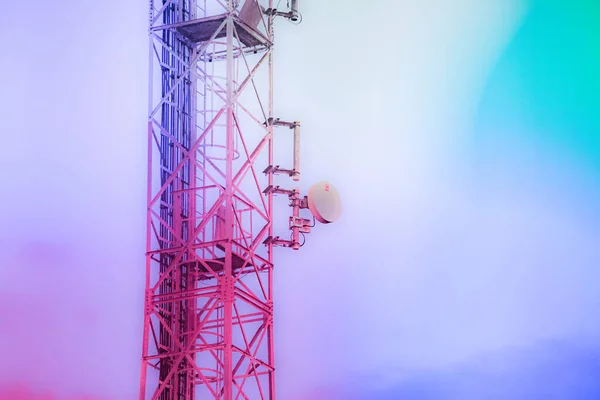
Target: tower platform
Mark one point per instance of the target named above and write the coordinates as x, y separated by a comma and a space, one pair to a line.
201, 30
216, 264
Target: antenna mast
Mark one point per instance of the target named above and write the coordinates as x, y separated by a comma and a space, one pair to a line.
208, 315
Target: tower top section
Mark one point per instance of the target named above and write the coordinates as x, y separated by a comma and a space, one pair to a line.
202, 27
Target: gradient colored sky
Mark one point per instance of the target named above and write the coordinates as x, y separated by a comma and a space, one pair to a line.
464, 137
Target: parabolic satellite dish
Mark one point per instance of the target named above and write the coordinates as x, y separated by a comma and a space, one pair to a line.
324, 202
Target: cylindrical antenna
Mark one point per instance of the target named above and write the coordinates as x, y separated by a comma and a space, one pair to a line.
296, 175
295, 217
294, 10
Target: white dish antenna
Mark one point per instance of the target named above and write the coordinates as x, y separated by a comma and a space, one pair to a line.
324, 202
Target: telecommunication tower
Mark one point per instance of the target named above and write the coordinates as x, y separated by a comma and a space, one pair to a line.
208, 313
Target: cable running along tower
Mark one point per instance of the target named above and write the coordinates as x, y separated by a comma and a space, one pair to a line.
208, 315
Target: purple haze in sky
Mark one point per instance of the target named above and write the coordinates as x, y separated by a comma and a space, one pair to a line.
449, 276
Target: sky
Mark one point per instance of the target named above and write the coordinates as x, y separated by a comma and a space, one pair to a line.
463, 136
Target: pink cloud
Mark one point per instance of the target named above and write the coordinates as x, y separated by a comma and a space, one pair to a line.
19, 391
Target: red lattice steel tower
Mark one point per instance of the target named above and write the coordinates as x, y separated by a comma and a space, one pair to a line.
208, 317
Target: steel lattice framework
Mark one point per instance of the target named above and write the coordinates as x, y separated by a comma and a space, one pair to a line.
208, 317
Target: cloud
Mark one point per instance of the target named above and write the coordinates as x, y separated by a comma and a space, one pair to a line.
549, 370
19, 391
